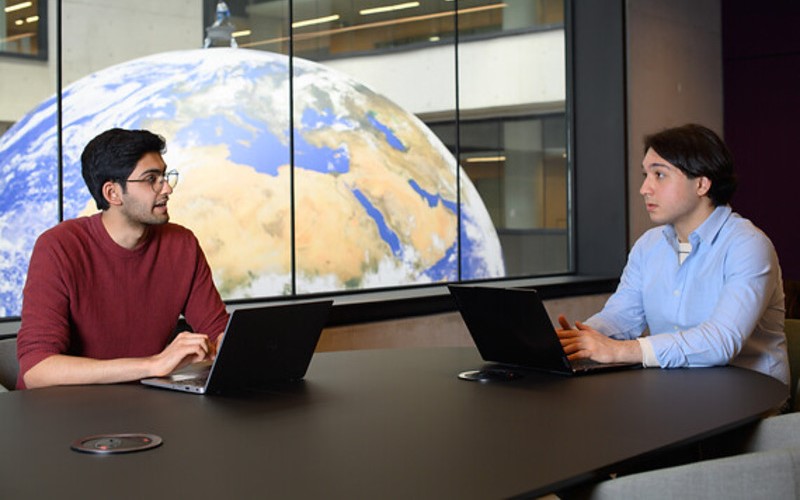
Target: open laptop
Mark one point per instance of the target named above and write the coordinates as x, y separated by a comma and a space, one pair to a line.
510, 326
262, 345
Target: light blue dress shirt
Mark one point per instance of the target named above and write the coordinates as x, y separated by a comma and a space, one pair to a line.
723, 305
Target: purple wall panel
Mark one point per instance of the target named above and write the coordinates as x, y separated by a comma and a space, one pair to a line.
761, 52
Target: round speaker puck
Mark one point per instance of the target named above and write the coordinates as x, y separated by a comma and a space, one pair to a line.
107, 444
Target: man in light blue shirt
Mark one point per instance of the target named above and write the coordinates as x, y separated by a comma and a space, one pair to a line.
706, 282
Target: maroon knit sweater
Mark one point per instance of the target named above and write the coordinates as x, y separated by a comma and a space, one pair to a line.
87, 296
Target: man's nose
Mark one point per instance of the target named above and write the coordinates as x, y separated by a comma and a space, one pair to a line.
166, 188
645, 188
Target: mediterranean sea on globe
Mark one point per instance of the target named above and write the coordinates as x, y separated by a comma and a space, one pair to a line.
374, 189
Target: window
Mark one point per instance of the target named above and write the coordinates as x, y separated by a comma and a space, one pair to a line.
405, 144
519, 168
23, 28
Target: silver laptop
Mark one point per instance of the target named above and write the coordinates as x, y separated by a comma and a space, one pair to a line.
510, 326
262, 346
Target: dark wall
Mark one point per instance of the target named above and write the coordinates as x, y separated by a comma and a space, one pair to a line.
761, 54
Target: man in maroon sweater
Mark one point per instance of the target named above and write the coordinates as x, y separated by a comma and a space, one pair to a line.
104, 293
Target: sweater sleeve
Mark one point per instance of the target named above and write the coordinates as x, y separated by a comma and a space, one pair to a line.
44, 330
205, 310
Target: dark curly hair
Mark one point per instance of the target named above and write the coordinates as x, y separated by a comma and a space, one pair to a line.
113, 155
698, 152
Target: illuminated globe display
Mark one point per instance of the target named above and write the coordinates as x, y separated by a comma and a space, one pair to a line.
374, 189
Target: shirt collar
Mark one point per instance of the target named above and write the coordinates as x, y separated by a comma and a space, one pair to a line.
707, 231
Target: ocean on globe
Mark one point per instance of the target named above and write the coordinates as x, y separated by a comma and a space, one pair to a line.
374, 189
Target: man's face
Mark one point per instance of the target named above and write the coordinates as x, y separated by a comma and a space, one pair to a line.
145, 199
671, 197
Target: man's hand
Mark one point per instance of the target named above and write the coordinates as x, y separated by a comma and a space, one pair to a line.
217, 343
186, 348
582, 342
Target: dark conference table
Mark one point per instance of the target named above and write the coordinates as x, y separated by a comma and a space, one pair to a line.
370, 424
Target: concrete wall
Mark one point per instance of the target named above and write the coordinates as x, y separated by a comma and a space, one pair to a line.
97, 34
100, 33
491, 77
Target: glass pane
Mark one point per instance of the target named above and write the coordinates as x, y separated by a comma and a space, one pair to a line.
28, 153
223, 111
375, 188
257, 258
513, 133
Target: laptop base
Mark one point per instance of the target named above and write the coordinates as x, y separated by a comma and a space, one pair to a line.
511, 327
261, 346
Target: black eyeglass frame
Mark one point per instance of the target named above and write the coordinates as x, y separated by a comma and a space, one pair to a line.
157, 181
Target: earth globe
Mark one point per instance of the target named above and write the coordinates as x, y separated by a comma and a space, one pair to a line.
367, 190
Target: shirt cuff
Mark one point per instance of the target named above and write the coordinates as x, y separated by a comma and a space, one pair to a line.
649, 359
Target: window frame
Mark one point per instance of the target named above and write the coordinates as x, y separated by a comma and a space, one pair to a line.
41, 34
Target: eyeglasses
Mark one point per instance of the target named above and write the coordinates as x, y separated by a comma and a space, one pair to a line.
157, 181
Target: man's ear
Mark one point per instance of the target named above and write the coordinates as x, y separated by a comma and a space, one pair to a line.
111, 193
703, 186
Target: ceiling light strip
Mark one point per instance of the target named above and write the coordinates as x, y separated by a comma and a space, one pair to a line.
19, 6
485, 159
402, 20
388, 8
318, 20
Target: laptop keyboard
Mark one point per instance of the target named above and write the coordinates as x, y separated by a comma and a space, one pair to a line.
194, 382
194, 377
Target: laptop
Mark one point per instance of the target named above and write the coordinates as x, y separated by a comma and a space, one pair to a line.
262, 346
510, 326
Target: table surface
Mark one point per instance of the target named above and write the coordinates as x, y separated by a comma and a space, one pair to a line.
370, 424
